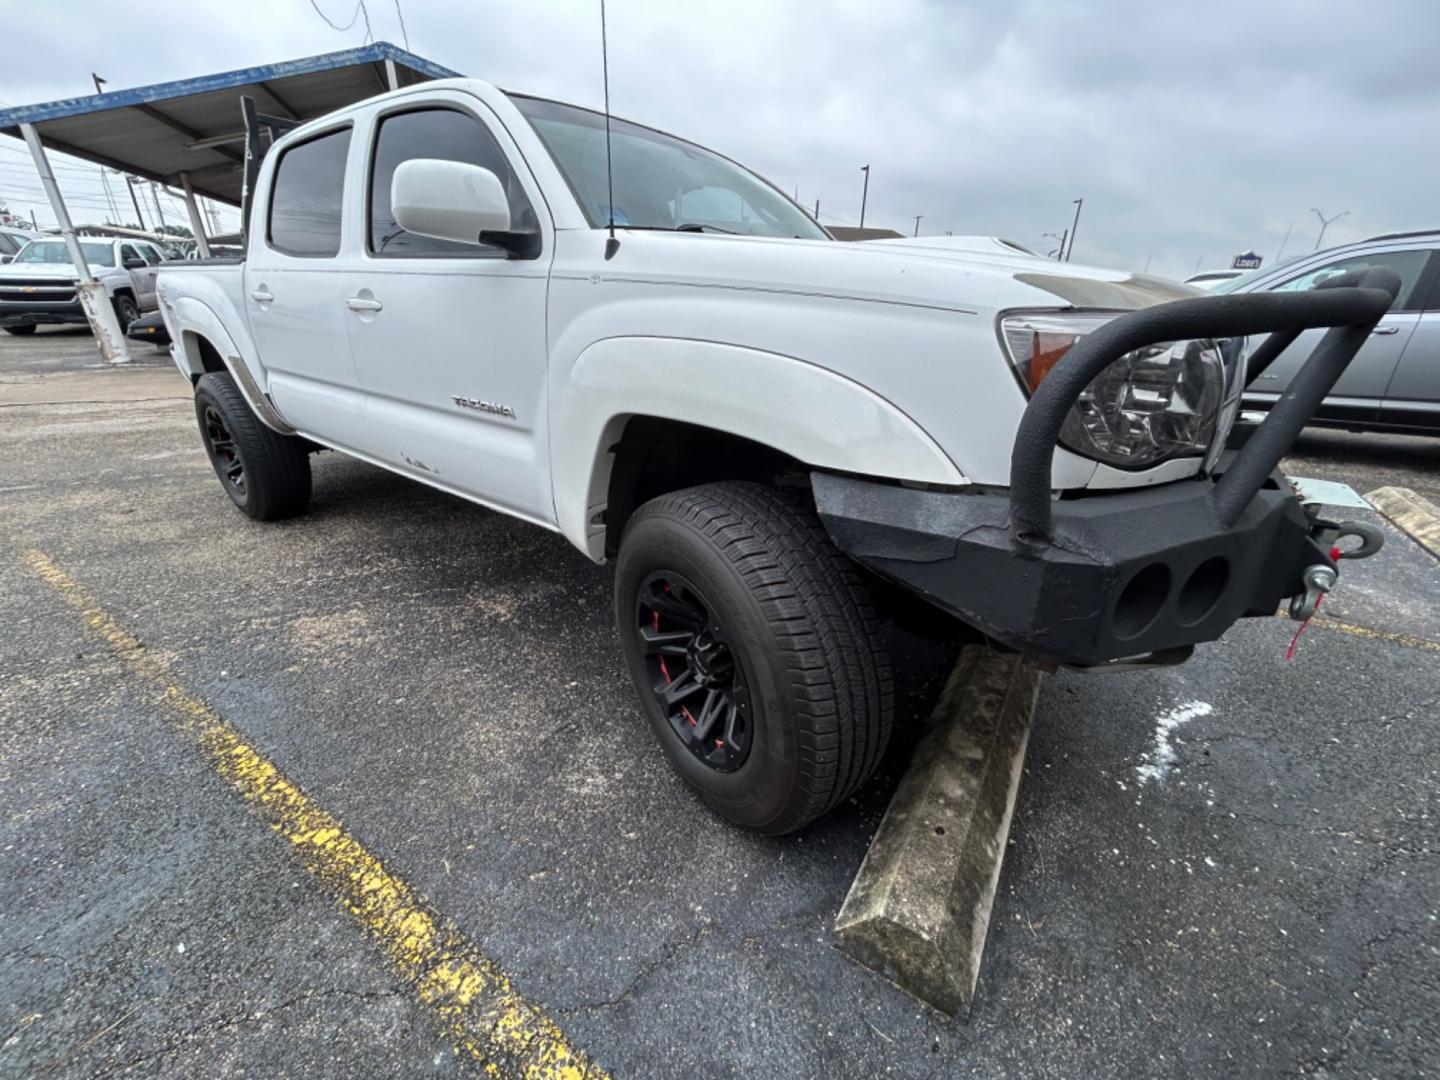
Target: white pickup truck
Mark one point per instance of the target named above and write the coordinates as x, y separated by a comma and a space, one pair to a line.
779, 439
38, 285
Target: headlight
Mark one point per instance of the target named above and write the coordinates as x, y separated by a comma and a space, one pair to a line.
1151, 405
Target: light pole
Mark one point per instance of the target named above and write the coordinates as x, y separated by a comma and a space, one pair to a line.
917, 224
1074, 226
1325, 223
864, 193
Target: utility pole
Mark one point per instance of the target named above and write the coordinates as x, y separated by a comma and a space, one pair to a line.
135, 202
1325, 223
99, 83
159, 211
1059, 253
864, 193
1074, 227
817, 210
1284, 242
917, 224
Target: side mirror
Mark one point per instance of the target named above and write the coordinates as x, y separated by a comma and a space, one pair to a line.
448, 200
5, 259
133, 263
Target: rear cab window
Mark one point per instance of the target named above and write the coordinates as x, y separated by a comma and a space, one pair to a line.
306, 196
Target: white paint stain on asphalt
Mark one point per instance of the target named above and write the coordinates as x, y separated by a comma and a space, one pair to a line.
1162, 753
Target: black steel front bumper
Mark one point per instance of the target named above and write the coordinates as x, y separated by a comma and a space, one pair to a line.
1119, 574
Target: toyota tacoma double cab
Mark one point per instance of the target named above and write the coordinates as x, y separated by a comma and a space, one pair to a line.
38, 285
779, 440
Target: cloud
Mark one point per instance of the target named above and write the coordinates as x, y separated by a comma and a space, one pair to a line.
1192, 131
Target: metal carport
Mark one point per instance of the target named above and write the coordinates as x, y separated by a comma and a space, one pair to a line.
190, 133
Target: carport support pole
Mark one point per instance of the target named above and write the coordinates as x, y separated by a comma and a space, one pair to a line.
93, 298
197, 224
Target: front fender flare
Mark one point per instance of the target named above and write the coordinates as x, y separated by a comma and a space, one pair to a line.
798, 408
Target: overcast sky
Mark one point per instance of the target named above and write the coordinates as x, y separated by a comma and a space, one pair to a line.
1192, 130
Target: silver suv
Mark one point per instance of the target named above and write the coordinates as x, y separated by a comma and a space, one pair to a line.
1393, 384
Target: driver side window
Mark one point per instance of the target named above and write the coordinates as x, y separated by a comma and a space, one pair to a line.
449, 135
1408, 264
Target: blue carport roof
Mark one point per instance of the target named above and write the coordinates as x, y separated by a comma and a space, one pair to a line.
152, 131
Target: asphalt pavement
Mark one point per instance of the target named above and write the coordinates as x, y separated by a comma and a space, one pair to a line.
1223, 869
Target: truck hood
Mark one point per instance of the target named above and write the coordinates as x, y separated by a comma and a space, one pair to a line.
928, 274
58, 271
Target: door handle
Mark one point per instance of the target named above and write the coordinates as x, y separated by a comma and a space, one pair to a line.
361, 303
262, 295
1386, 330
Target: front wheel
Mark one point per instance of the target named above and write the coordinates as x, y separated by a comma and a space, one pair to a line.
126, 311
266, 474
755, 650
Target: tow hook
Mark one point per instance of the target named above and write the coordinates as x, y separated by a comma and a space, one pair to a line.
1318, 578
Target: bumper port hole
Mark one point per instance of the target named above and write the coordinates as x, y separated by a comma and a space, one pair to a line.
1202, 590
1141, 600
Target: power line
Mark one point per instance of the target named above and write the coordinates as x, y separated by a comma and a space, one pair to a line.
403, 33
353, 16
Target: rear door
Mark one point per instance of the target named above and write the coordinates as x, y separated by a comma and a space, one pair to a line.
449, 338
1356, 397
295, 290
1413, 397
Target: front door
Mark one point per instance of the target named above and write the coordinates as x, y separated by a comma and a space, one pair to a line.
142, 274
1413, 397
1356, 396
295, 292
449, 338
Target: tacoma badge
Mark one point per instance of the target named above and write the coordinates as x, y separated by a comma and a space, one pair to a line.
483, 406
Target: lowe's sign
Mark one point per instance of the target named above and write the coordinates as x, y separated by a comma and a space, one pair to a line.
1245, 261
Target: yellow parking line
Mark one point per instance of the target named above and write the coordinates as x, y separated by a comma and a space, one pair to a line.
1409, 641
473, 999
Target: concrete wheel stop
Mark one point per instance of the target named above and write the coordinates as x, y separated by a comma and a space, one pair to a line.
919, 907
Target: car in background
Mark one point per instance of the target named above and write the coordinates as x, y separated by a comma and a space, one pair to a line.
1210, 280
1393, 384
12, 240
38, 284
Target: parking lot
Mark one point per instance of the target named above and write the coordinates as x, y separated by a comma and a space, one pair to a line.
1226, 868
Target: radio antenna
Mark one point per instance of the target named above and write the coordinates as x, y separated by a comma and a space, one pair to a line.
612, 245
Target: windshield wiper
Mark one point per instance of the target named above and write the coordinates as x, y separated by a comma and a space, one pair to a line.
691, 226
688, 226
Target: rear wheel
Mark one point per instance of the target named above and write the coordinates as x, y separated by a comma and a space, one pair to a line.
755, 651
266, 474
21, 330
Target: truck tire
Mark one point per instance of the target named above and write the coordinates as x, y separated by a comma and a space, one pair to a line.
21, 330
755, 650
266, 474
126, 311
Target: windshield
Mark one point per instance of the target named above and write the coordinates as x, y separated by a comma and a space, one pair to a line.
661, 182
53, 251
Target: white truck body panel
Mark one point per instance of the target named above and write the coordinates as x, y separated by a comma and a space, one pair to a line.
508, 381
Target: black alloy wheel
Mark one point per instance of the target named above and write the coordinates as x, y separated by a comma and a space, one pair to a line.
695, 675
266, 474
220, 445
